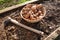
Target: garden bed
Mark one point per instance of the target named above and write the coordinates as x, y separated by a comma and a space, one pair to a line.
52, 19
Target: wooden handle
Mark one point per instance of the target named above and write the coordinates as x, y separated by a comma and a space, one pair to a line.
26, 27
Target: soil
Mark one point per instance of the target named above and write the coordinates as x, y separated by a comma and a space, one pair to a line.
48, 24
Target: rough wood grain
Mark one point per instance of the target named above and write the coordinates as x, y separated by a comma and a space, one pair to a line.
53, 35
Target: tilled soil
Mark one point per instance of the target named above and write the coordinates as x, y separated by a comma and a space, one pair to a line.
48, 24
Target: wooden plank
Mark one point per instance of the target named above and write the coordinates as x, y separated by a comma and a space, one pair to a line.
53, 35
16, 6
